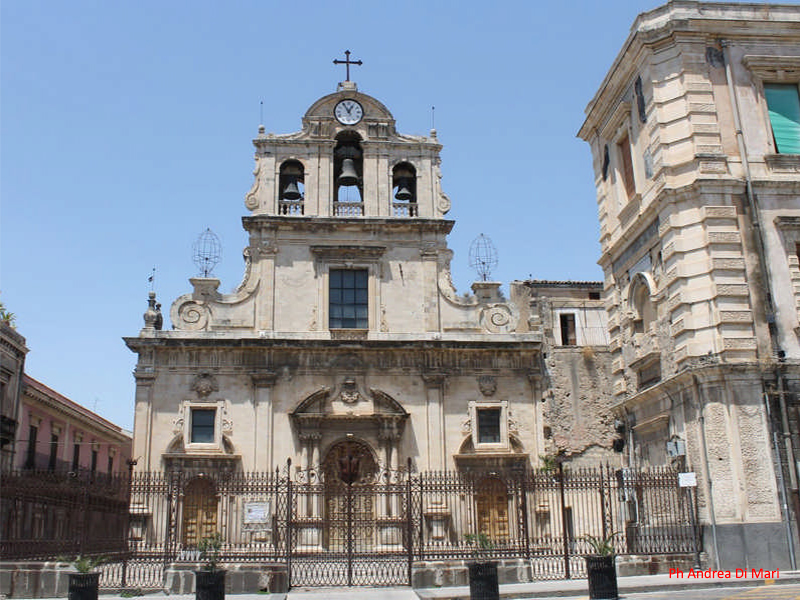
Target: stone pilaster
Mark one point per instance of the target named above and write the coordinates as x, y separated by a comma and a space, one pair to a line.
435, 384
143, 419
262, 420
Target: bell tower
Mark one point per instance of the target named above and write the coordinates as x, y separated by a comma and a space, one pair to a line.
347, 161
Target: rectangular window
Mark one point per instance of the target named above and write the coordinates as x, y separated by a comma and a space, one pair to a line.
76, 455
51, 463
568, 337
349, 299
624, 147
30, 456
94, 461
783, 102
110, 468
203, 425
489, 426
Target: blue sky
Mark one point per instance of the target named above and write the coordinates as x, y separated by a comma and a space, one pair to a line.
127, 128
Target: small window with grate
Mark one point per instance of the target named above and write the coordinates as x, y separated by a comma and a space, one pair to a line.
488, 425
349, 299
203, 425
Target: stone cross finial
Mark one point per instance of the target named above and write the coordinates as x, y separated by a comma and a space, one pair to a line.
347, 62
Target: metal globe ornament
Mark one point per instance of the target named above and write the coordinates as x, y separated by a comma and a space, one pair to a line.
206, 252
482, 256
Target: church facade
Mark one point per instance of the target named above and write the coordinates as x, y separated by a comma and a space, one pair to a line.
346, 335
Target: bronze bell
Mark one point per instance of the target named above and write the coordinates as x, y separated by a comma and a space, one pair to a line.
291, 191
403, 190
348, 177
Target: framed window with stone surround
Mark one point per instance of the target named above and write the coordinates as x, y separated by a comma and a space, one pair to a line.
348, 279
202, 426
619, 134
789, 229
489, 426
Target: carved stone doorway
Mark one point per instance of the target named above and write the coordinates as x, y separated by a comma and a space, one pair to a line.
354, 529
199, 511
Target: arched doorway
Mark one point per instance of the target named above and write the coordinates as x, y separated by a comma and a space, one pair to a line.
349, 462
199, 511
491, 498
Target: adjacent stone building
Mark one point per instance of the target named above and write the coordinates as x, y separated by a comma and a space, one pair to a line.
578, 424
695, 137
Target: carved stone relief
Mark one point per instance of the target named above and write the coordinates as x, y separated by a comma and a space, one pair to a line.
203, 384
499, 318
349, 393
251, 199
192, 316
487, 384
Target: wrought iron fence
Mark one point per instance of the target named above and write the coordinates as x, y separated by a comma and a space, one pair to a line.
549, 516
331, 532
45, 515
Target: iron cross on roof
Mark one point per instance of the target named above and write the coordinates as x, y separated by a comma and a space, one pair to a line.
347, 62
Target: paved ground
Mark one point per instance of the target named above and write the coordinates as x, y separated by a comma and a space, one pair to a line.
761, 592
647, 587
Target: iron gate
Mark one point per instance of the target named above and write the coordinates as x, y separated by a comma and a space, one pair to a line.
350, 531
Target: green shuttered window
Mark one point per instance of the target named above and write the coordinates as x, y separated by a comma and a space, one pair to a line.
783, 101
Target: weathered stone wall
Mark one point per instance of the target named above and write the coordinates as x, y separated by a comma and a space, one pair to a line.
578, 403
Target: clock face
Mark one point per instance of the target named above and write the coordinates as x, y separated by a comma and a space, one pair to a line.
348, 112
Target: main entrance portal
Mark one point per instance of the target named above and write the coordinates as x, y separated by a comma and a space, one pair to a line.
363, 530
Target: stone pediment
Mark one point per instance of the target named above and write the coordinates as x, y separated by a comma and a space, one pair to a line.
348, 405
348, 400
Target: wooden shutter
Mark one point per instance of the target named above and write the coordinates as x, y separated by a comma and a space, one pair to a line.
627, 166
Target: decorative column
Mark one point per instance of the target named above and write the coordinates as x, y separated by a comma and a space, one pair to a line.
390, 523
263, 433
308, 522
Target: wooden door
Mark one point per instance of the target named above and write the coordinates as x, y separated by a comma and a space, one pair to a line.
199, 512
492, 508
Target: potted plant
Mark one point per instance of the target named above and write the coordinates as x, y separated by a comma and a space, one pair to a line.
483, 584
209, 581
601, 569
83, 585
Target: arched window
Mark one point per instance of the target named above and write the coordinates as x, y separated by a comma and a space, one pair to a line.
348, 172
291, 190
642, 304
404, 191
